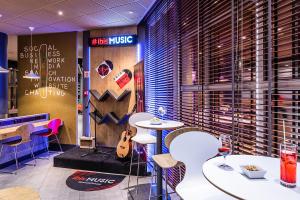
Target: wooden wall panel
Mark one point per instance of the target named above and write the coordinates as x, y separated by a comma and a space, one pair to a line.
122, 58
56, 91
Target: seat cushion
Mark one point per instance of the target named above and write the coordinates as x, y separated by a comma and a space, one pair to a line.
144, 139
165, 161
200, 189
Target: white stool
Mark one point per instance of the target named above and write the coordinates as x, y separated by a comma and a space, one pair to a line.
166, 161
142, 137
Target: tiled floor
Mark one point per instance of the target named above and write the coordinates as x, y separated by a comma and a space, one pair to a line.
50, 183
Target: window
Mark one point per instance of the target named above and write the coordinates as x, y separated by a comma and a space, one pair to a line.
228, 67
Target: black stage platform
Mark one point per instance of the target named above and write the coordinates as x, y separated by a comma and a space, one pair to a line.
96, 162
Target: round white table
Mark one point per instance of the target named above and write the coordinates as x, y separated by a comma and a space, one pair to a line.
165, 125
241, 187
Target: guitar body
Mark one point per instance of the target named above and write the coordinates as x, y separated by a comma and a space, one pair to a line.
125, 145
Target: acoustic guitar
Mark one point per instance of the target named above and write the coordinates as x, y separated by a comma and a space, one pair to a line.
124, 147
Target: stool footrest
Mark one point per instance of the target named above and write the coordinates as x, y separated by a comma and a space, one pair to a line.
6, 172
29, 164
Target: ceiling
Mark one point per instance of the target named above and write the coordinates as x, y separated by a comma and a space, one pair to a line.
78, 15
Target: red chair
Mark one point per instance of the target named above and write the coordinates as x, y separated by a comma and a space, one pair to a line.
54, 126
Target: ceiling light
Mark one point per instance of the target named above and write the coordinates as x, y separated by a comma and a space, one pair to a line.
31, 28
3, 70
1, 15
279, 29
31, 74
244, 37
219, 46
60, 13
130, 12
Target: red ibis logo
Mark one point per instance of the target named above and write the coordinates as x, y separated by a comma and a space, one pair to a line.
121, 40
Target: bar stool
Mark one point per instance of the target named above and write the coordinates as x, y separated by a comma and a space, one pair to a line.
166, 161
142, 137
24, 132
54, 126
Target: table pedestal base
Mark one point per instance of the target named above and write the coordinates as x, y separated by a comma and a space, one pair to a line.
159, 170
154, 195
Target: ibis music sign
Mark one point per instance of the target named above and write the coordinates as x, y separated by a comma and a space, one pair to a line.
119, 40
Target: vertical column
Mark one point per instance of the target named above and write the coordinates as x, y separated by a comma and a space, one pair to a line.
206, 95
259, 83
86, 83
234, 61
270, 79
3, 77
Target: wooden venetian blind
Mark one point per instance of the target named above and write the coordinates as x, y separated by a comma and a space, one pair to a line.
229, 67
190, 74
161, 61
250, 48
286, 66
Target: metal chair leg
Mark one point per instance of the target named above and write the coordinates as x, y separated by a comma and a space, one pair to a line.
155, 166
58, 143
155, 174
138, 171
1, 150
146, 161
166, 183
152, 176
32, 154
16, 157
48, 152
4, 172
130, 167
47, 146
